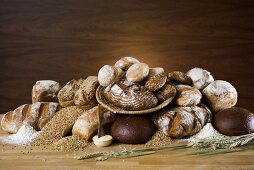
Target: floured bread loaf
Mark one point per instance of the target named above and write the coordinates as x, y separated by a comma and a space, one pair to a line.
200, 77
36, 114
45, 91
180, 122
130, 96
87, 124
220, 95
125, 62
78, 92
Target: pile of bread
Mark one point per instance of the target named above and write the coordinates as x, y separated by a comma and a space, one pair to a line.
132, 85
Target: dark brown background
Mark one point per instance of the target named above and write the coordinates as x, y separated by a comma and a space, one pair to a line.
61, 40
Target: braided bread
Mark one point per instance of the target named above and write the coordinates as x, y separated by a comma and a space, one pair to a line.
182, 122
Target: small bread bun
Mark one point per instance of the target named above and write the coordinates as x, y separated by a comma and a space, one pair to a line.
125, 62
137, 72
187, 95
200, 77
109, 74
220, 95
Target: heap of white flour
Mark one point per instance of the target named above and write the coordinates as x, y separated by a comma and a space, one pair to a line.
23, 137
206, 132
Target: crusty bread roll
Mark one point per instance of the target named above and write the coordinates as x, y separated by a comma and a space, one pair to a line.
125, 62
36, 114
78, 92
200, 77
187, 95
87, 124
137, 72
45, 91
109, 74
180, 122
220, 95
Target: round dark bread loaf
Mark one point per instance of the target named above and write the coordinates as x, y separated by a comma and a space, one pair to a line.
132, 129
234, 121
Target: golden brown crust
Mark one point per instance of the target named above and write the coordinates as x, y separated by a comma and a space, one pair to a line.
87, 124
36, 114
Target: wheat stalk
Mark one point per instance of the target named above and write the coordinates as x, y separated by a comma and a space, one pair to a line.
207, 146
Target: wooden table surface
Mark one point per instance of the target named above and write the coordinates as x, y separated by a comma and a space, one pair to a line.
178, 159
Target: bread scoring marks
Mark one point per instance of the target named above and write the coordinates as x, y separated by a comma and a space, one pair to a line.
134, 97
165, 121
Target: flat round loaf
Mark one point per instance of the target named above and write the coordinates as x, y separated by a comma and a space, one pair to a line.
132, 97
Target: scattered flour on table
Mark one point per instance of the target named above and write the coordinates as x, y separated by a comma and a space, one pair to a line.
206, 132
23, 137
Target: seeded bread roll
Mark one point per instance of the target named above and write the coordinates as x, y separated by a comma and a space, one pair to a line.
155, 71
166, 92
36, 114
156, 82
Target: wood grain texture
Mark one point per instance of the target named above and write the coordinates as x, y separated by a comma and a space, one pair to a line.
41, 158
62, 40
